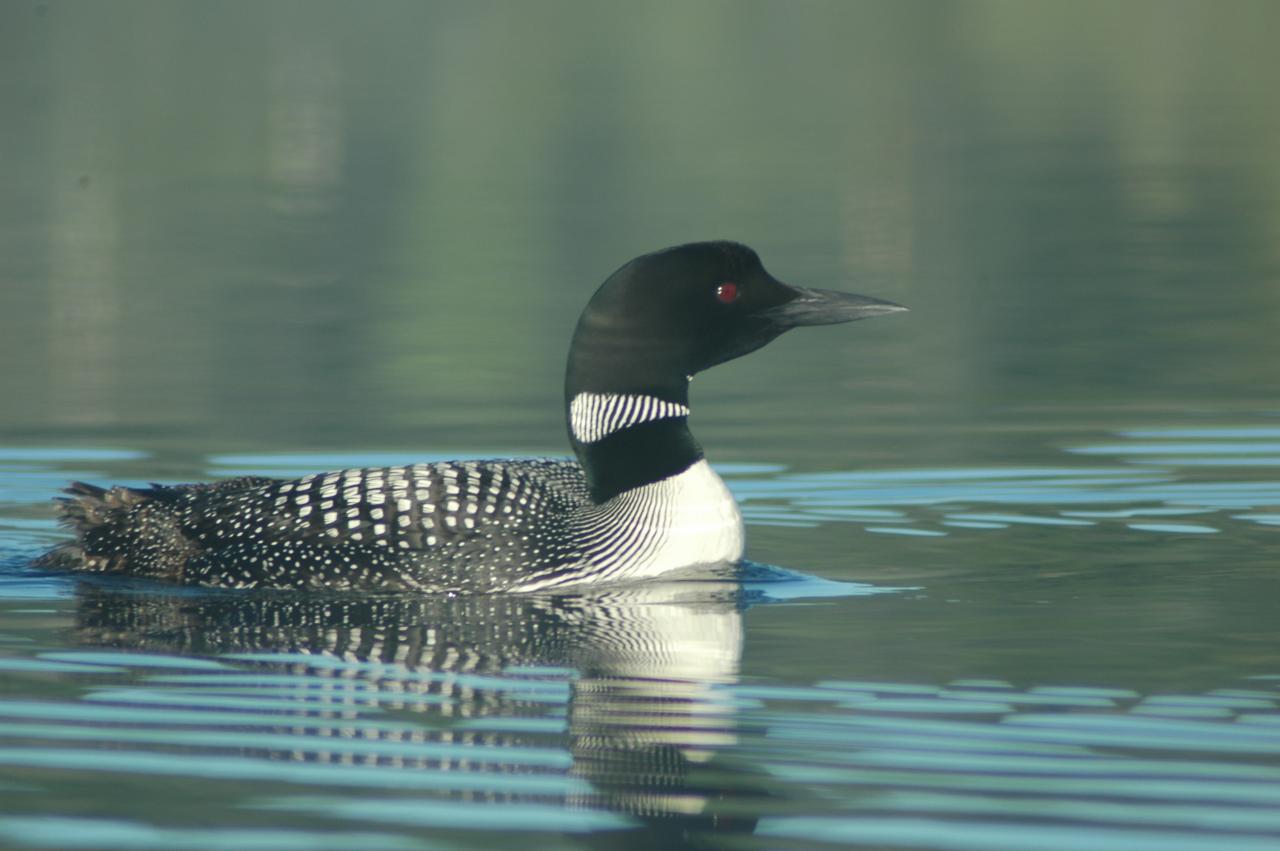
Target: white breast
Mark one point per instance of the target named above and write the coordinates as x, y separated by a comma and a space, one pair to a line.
687, 519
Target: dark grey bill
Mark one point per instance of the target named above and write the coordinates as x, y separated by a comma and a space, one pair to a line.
827, 307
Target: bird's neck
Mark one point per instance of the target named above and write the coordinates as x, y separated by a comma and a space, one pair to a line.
627, 436
627, 403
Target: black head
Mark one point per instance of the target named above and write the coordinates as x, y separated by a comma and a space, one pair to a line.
665, 316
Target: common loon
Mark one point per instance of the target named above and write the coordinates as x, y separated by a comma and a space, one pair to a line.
639, 501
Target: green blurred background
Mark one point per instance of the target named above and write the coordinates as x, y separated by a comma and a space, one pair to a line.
276, 225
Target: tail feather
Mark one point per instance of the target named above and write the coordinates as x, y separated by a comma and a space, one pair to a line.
107, 524
89, 505
141, 531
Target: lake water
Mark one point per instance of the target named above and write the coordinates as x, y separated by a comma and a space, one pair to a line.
1015, 576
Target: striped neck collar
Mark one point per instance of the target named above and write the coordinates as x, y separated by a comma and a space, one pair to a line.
627, 440
595, 416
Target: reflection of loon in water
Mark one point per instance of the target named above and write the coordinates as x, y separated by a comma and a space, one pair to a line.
641, 664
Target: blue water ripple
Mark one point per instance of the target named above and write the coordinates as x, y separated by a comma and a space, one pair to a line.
53, 831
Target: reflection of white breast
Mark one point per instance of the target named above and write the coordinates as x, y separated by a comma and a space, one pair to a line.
687, 519
653, 665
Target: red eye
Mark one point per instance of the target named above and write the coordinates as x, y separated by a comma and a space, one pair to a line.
727, 292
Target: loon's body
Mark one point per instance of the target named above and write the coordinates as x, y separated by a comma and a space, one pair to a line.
639, 501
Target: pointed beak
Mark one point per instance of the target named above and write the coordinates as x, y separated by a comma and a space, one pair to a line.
827, 307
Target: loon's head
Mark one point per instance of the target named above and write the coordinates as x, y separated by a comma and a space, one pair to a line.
665, 316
